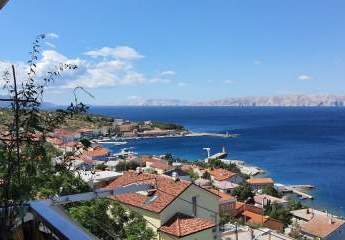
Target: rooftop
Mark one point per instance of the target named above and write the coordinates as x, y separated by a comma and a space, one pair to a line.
97, 151
166, 190
260, 181
182, 225
317, 223
221, 174
260, 198
226, 185
223, 196
163, 165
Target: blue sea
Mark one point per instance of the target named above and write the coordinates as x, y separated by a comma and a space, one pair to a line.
293, 145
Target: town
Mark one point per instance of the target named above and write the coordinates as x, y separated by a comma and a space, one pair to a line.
213, 198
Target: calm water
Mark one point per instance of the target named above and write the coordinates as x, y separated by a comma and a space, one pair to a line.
294, 145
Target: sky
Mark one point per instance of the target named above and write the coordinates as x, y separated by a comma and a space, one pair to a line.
131, 50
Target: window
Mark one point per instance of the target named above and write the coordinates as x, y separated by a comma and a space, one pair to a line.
194, 205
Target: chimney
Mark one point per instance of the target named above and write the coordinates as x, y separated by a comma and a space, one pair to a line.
175, 176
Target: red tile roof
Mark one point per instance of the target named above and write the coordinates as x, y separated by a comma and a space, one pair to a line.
182, 225
97, 152
266, 221
260, 181
160, 165
221, 174
145, 158
322, 225
223, 196
167, 190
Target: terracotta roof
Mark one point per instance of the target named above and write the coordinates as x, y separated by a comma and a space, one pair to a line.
97, 152
239, 205
266, 221
254, 217
189, 167
71, 144
167, 190
260, 181
223, 196
160, 165
64, 132
318, 223
146, 158
182, 225
55, 141
221, 174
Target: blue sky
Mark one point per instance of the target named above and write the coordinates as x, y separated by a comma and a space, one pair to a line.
196, 50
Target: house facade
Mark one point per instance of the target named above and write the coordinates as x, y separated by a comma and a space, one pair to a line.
174, 209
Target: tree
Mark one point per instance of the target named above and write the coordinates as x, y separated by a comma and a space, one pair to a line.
101, 167
25, 158
193, 175
243, 192
216, 163
127, 165
86, 143
278, 212
206, 175
269, 190
295, 205
61, 182
169, 157
106, 219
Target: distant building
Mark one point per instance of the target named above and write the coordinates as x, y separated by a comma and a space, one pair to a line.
174, 208
66, 135
127, 127
262, 200
117, 122
254, 215
219, 174
260, 183
225, 186
98, 179
182, 174
97, 153
321, 225
160, 166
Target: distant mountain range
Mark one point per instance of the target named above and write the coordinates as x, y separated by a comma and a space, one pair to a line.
44, 105
260, 101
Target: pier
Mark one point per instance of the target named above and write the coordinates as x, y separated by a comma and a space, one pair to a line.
297, 189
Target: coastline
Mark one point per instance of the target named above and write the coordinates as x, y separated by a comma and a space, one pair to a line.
189, 134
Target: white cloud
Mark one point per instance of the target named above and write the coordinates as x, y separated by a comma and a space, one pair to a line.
168, 73
52, 35
257, 62
20, 70
229, 82
49, 44
304, 77
117, 70
121, 52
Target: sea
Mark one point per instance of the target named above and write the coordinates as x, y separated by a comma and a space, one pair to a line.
294, 145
